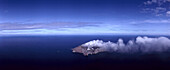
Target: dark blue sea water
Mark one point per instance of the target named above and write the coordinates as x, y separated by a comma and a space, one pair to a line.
54, 53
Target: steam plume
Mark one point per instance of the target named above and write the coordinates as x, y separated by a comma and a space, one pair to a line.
140, 44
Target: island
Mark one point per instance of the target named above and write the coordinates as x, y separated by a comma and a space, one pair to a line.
87, 50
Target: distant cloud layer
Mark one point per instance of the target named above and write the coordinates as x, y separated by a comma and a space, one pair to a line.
163, 21
141, 44
53, 25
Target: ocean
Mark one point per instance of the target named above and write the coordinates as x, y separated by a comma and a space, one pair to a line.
55, 53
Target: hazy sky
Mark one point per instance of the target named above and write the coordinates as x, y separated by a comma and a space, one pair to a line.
52, 17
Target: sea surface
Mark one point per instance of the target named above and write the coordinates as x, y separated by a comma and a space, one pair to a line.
54, 53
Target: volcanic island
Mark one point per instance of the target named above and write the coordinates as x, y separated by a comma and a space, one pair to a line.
88, 48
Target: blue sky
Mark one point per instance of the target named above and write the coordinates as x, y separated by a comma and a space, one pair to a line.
56, 17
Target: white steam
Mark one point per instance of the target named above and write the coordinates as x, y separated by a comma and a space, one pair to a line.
141, 44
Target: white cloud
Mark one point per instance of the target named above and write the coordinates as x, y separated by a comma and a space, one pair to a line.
141, 44
159, 2
156, 7
168, 13
148, 2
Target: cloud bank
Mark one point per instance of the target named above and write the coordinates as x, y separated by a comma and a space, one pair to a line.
52, 25
49, 28
140, 44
